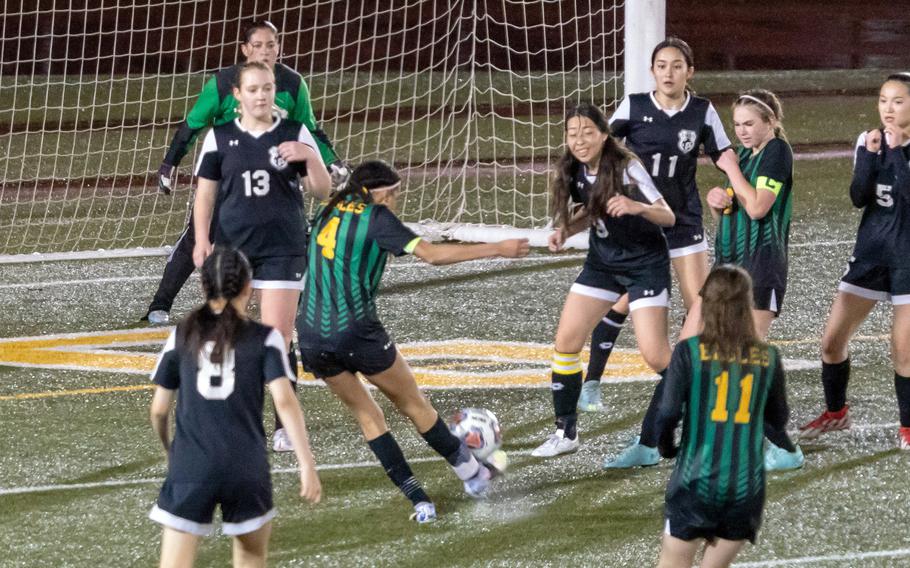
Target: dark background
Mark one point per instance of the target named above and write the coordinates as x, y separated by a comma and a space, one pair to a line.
100, 37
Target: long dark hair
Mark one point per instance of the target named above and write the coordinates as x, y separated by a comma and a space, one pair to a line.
253, 27
368, 175
225, 275
614, 157
683, 48
729, 328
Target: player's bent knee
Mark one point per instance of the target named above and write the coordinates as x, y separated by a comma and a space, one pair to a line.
834, 348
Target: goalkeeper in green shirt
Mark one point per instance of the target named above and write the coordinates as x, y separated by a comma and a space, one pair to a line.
215, 106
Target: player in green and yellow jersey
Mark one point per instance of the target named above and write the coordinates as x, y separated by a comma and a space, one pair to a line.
727, 387
340, 333
753, 213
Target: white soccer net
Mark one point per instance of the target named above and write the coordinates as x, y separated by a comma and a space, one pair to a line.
465, 97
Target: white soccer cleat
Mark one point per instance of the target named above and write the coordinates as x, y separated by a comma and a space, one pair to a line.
555, 445
159, 317
478, 485
281, 442
424, 512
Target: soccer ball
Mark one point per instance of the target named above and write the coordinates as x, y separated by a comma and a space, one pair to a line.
479, 429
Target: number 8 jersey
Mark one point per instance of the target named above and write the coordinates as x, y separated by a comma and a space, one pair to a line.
259, 202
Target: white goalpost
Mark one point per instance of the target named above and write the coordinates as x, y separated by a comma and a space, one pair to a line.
465, 97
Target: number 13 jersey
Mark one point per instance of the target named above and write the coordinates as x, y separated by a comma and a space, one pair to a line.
260, 204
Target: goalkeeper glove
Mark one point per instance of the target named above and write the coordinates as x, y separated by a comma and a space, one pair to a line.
165, 178
339, 173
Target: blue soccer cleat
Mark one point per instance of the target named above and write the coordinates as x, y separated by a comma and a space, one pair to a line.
779, 459
589, 401
633, 455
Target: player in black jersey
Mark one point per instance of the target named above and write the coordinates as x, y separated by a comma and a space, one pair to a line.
753, 217
665, 129
219, 362
252, 166
879, 268
340, 333
727, 387
216, 105
616, 199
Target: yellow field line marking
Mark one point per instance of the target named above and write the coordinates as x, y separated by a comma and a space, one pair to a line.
75, 392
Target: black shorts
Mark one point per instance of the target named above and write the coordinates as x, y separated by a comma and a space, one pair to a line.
876, 282
683, 240
369, 355
246, 505
647, 286
768, 298
278, 272
687, 518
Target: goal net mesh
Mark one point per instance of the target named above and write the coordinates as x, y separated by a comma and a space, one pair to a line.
465, 97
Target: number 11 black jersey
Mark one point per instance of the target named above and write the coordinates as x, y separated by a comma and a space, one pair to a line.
667, 143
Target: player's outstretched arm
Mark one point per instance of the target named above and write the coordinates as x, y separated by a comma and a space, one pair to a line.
203, 207
158, 414
288, 409
203, 114
446, 253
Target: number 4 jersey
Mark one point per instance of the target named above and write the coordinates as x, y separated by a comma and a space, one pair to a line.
260, 204
345, 262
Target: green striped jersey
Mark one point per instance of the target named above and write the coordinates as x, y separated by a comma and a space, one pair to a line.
760, 245
724, 405
346, 258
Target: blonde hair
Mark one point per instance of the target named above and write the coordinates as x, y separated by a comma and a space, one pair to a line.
729, 327
768, 107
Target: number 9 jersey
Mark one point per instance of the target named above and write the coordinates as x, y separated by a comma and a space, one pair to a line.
259, 202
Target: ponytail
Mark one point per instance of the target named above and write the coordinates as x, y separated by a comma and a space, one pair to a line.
225, 275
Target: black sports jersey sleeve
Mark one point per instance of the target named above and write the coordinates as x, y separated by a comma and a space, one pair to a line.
865, 172
670, 411
776, 410
714, 139
389, 232
209, 165
275, 360
619, 122
776, 166
167, 370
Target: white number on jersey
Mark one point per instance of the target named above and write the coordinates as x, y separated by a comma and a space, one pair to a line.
655, 166
883, 195
601, 229
215, 382
261, 180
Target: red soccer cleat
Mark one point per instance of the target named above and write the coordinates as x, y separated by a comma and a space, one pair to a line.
904, 437
827, 422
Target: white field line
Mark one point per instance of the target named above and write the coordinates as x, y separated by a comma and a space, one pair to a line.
394, 267
156, 480
840, 558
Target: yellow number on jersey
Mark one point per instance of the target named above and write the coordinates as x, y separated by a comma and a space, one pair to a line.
326, 238
719, 413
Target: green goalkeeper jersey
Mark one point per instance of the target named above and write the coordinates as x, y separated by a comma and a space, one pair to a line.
216, 105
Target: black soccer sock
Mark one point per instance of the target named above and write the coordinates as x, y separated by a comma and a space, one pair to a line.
389, 454
447, 444
835, 377
649, 434
602, 341
292, 361
566, 386
902, 388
